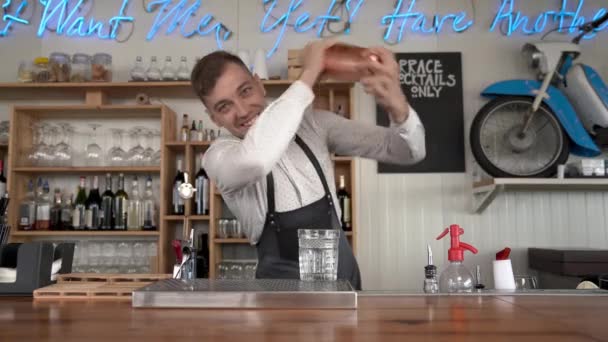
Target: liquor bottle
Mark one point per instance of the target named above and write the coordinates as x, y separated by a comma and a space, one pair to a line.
193, 132
2, 179
80, 207
43, 208
56, 211
185, 131
121, 203
149, 207
178, 202
107, 199
27, 209
344, 200
134, 211
93, 205
201, 197
200, 132
66, 213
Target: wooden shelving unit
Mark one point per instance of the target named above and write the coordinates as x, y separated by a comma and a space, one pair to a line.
102, 100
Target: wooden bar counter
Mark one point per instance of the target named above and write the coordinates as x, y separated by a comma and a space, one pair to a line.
379, 317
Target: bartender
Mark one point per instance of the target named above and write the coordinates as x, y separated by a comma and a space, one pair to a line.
274, 170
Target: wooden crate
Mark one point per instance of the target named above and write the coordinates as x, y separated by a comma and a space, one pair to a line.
110, 278
89, 290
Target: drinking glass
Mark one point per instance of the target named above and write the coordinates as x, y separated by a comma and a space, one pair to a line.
93, 152
63, 150
116, 155
318, 252
135, 155
148, 153
156, 144
525, 282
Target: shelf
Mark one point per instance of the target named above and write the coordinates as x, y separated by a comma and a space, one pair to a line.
87, 169
84, 233
199, 217
234, 241
79, 111
488, 190
181, 145
174, 217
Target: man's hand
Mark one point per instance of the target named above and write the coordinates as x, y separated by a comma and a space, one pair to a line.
381, 79
313, 57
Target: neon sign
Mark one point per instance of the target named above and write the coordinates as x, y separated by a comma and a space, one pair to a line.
320, 22
516, 21
419, 23
9, 19
69, 23
180, 15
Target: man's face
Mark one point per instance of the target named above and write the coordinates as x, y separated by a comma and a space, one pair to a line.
236, 101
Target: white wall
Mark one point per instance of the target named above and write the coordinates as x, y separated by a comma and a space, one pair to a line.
398, 214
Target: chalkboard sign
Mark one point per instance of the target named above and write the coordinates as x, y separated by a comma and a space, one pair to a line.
432, 83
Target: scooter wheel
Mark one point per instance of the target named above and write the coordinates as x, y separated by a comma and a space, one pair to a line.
503, 151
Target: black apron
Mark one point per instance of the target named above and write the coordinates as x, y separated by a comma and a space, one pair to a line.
277, 248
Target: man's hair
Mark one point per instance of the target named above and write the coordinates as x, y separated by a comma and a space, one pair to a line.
209, 69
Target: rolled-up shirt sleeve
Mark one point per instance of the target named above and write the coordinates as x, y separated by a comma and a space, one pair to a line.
402, 144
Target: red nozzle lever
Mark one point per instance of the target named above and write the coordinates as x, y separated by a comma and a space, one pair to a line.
456, 251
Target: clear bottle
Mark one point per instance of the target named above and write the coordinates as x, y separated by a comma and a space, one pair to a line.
200, 131
183, 73
153, 72
27, 209
168, 72
93, 203
43, 208
185, 130
149, 206
66, 213
80, 207
431, 284
138, 73
107, 201
193, 133
121, 204
134, 211
56, 211
456, 278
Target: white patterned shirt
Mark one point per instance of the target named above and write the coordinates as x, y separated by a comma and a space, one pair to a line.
239, 166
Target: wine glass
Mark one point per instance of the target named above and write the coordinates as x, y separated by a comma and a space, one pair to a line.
93, 152
116, 154
148, 153
63, 150
156, 143
136, 153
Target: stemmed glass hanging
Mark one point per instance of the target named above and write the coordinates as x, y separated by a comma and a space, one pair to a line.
93, 152
136, 153
63, 155
116, 155
156, 144
148, 153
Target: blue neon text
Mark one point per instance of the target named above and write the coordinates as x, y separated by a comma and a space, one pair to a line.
180, 15
15, 17
419, 23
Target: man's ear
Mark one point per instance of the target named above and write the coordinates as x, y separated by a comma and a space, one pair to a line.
259, 83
